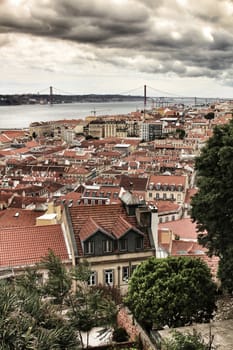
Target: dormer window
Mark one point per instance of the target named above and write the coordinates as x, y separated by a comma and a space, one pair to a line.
139, 243
158, 186
123, 244
107, 246
89, 247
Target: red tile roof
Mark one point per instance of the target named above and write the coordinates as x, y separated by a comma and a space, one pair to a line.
121, 227
168, 179
184, 228
27, 245
104, 216
15, 217
89, 228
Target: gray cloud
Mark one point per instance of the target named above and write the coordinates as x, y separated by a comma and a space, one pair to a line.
187, 38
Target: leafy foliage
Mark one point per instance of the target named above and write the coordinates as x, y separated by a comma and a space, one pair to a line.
59, 281
171, 292
212, 206
187, 341
209, 116
215, 183
31, 314
120, 335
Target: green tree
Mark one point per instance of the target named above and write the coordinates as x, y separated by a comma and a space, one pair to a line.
28, 322
90, 307
180, 133
209, 116
59, 281
171, 292
30, 313
212, 206
188, 341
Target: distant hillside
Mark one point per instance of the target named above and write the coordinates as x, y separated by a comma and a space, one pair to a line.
7, 100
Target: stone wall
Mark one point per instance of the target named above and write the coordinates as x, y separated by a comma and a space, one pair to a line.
126, 320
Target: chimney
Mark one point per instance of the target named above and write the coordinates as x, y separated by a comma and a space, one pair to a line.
154, 227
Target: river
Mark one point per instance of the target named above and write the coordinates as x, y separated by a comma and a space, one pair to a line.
21, 116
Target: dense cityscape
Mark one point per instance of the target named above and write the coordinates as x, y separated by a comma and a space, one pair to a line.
116, 163
114, 190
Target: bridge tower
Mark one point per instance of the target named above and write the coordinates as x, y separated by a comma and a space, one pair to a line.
51, 95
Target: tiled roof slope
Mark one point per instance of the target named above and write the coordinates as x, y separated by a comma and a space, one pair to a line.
184, 228
104, 216
135, 183
27, 245
15, 217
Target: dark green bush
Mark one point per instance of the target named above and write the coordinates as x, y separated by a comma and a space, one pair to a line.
120, 335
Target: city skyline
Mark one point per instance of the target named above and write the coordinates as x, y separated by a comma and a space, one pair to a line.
176, 47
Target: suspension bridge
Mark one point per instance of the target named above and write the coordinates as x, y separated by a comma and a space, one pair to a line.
151, 96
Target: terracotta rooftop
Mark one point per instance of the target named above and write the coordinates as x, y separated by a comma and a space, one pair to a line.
89, 228
133, 183
105, 216
27, 245
168, 179
165, 206
15, 217
184, 228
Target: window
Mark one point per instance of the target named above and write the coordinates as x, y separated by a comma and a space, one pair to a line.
172, 196
108, 277
107, 246
139, 242
123, 244
92, 279
89, 247
125, 273
164, 196
157, 196
150, 194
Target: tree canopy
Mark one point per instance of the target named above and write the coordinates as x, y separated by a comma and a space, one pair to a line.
171, 292
212, 206
188, 341
209, 115
31, 313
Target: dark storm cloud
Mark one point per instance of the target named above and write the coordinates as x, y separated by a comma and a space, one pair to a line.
167, 36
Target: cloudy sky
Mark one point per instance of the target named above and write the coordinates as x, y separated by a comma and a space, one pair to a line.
180, 47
